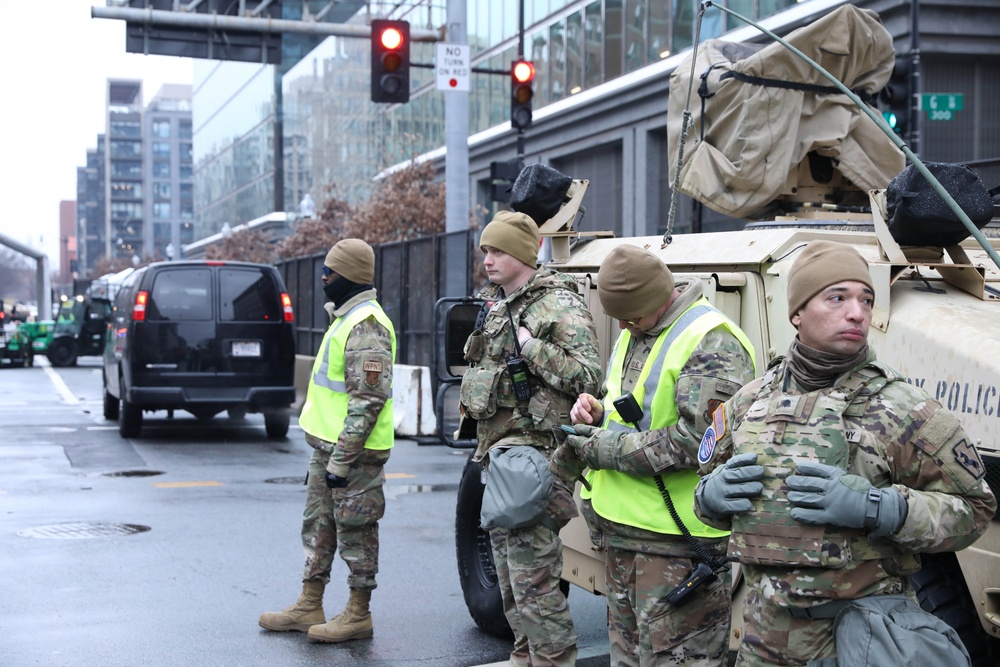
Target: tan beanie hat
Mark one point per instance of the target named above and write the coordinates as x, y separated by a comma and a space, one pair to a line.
819, 265
514, 233
633, 283
353, 259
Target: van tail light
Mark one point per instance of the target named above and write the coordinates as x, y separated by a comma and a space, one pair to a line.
139, 307
286, 307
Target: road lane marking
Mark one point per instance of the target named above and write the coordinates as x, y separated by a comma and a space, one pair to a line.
184, 485
67, 395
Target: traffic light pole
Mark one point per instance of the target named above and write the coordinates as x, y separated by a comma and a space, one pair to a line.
915, 83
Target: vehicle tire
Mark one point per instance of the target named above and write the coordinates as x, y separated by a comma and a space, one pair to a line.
62, 352
110, 406
129, 419
941, 590
276, 424
476, 570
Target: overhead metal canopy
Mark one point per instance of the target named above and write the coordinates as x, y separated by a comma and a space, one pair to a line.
242, 30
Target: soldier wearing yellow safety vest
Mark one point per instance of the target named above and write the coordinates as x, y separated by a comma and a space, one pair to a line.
347, 419
678, 357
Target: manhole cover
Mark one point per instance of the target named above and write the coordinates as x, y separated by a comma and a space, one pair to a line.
81, 531
286, 480
133, 473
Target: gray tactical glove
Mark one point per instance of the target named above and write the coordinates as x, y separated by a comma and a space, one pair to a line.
824, 494
725, 491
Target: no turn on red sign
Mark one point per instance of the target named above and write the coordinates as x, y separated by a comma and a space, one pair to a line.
453, 66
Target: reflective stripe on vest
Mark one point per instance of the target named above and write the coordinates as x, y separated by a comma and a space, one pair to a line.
325, 408
634, 500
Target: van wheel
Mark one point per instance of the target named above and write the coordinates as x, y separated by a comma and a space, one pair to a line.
476, 570
941, 590
62, 352
129, 419
276, 424
110, 406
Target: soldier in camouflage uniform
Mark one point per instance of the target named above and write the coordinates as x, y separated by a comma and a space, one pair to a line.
541, 316
679, 358
347, 419
833, 473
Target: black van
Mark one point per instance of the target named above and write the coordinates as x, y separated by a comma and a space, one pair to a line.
200, 336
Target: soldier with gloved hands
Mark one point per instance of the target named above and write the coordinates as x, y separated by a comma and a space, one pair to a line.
832, 471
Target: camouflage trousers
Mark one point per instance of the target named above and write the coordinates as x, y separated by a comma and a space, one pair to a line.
646, 630
773, 637
529, 567
344, 519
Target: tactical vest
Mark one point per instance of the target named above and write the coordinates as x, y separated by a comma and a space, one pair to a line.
325, 408
633, 500
787, 429
487, 385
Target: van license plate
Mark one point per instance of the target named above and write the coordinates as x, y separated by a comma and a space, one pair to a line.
246, 348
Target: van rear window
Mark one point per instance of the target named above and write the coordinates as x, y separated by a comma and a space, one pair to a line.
248, 295
180, 295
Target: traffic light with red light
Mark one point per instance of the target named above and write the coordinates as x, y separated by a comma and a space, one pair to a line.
522, 77
390, 61
896, 98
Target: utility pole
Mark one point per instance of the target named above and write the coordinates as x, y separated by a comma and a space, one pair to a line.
456, 165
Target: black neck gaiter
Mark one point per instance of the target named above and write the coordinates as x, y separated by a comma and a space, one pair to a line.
340, 289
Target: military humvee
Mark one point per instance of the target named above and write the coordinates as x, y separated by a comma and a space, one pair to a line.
935, 317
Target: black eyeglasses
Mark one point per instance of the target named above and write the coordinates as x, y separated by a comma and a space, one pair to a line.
327, 271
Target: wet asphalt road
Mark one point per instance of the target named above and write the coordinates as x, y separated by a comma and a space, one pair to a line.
217, 508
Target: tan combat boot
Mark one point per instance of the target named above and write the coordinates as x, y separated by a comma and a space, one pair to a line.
355, 622
306, 612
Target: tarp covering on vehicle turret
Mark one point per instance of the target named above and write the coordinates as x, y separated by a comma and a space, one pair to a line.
750, 129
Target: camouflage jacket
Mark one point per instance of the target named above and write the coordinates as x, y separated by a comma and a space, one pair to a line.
715, 371
562, 358
368, 341
901, 438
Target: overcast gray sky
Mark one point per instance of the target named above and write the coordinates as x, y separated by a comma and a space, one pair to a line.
55, 61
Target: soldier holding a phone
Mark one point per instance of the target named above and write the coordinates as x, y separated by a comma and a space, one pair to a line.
676, 359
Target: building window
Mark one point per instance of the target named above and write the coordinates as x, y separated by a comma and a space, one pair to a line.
126, 148
161, 169
126, 169
184, 129
161, 149
161, 129
187, 170
126, 190
161, 210
124, 128
161, 190
186, 152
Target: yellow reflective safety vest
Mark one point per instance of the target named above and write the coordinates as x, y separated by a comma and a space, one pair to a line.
325, 409
635, 500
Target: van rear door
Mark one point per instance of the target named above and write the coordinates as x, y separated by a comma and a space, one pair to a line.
176, 338
256, 344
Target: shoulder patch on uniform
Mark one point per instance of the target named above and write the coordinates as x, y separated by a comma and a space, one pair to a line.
712, 435
373, 373
967, 457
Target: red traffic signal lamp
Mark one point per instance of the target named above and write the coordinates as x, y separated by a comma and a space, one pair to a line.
390, 42
522, 77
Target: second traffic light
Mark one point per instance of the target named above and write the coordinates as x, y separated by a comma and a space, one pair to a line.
896, 98
522, 77
390, 61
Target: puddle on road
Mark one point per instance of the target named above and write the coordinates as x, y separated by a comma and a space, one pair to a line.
133, 473
79, 531
396, 490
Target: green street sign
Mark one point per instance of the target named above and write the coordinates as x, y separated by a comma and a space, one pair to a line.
941, 106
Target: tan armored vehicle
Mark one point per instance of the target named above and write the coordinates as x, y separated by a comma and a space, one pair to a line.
937, 309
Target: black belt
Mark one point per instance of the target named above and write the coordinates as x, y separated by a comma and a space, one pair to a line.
825, 610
